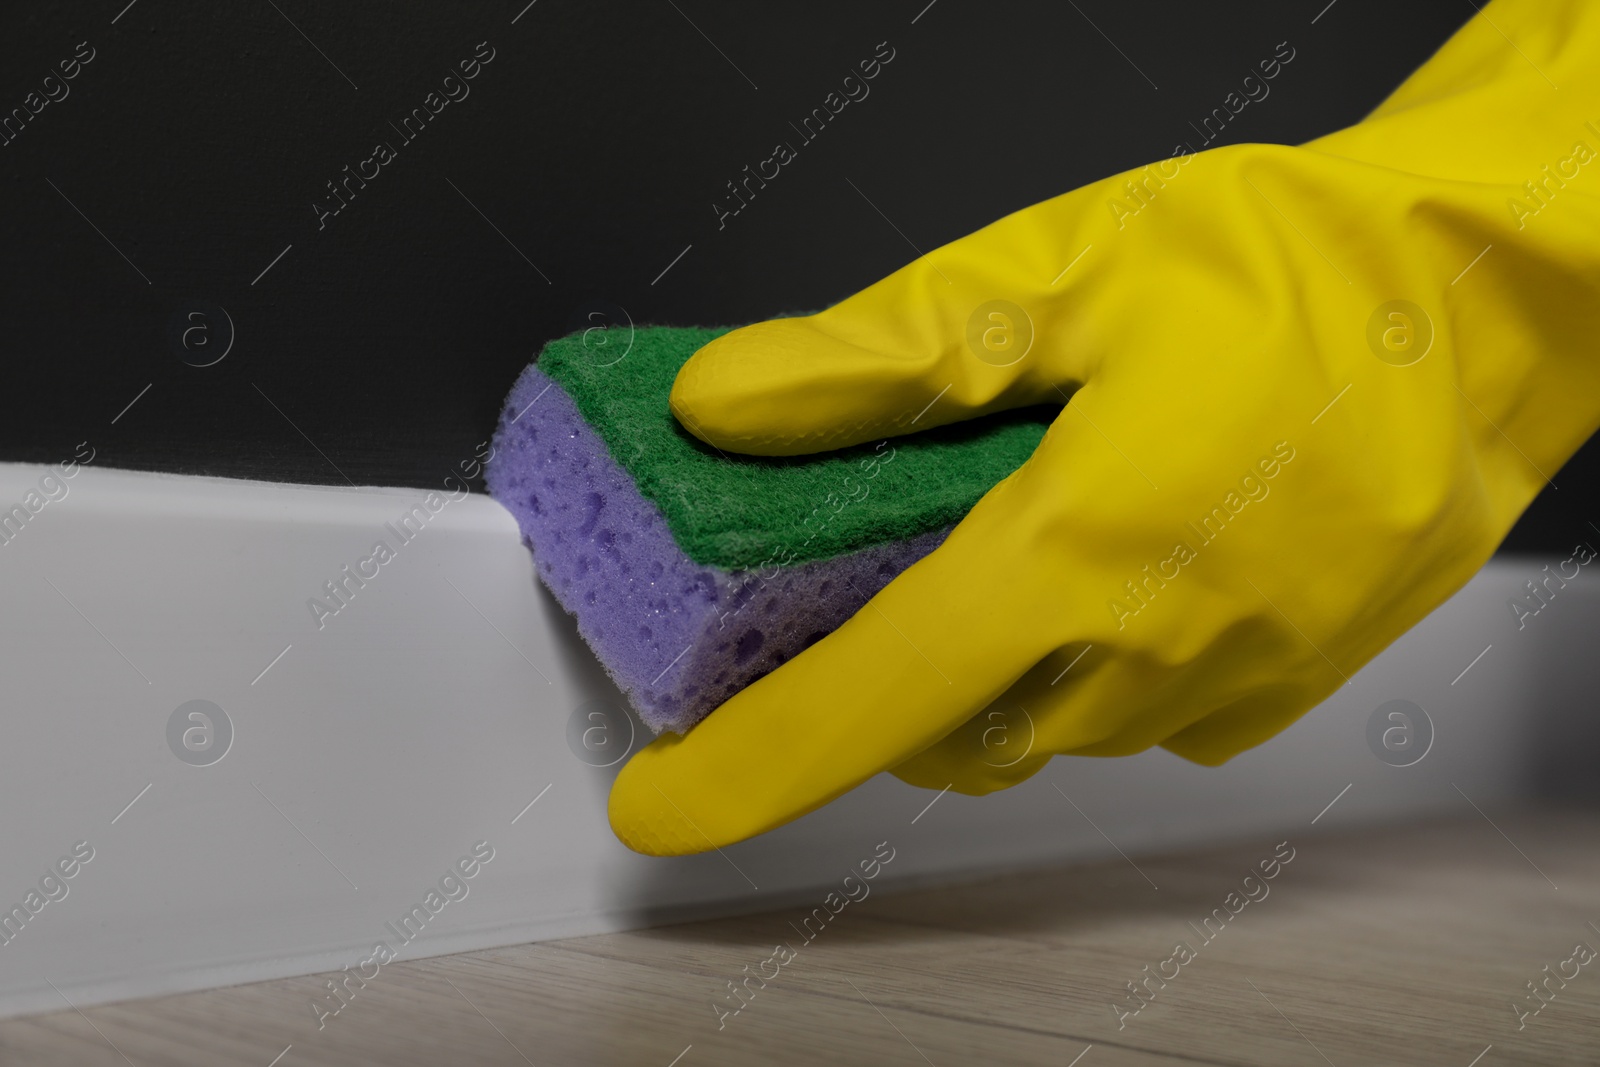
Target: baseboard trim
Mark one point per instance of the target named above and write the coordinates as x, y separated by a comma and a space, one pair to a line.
371, 751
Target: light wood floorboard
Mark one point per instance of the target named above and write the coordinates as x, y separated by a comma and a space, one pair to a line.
1403, 945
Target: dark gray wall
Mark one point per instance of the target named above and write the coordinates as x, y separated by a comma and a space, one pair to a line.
189, 152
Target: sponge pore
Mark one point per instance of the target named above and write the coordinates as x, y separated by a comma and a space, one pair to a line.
692, 573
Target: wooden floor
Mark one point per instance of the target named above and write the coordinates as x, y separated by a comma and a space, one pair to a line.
1399, 946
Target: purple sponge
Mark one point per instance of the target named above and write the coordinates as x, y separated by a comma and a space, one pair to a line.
677, 637
691, 572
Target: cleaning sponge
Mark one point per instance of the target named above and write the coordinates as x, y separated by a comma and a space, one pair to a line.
692, 572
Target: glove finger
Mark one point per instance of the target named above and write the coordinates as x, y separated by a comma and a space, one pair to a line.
1005, 743
1205, 705
928, 650
1093, 700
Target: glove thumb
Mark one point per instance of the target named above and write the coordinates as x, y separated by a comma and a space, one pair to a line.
943, 339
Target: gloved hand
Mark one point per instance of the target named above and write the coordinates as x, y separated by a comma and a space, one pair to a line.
1268, 469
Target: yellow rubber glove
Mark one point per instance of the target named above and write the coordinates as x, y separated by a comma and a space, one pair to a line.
1268, 470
